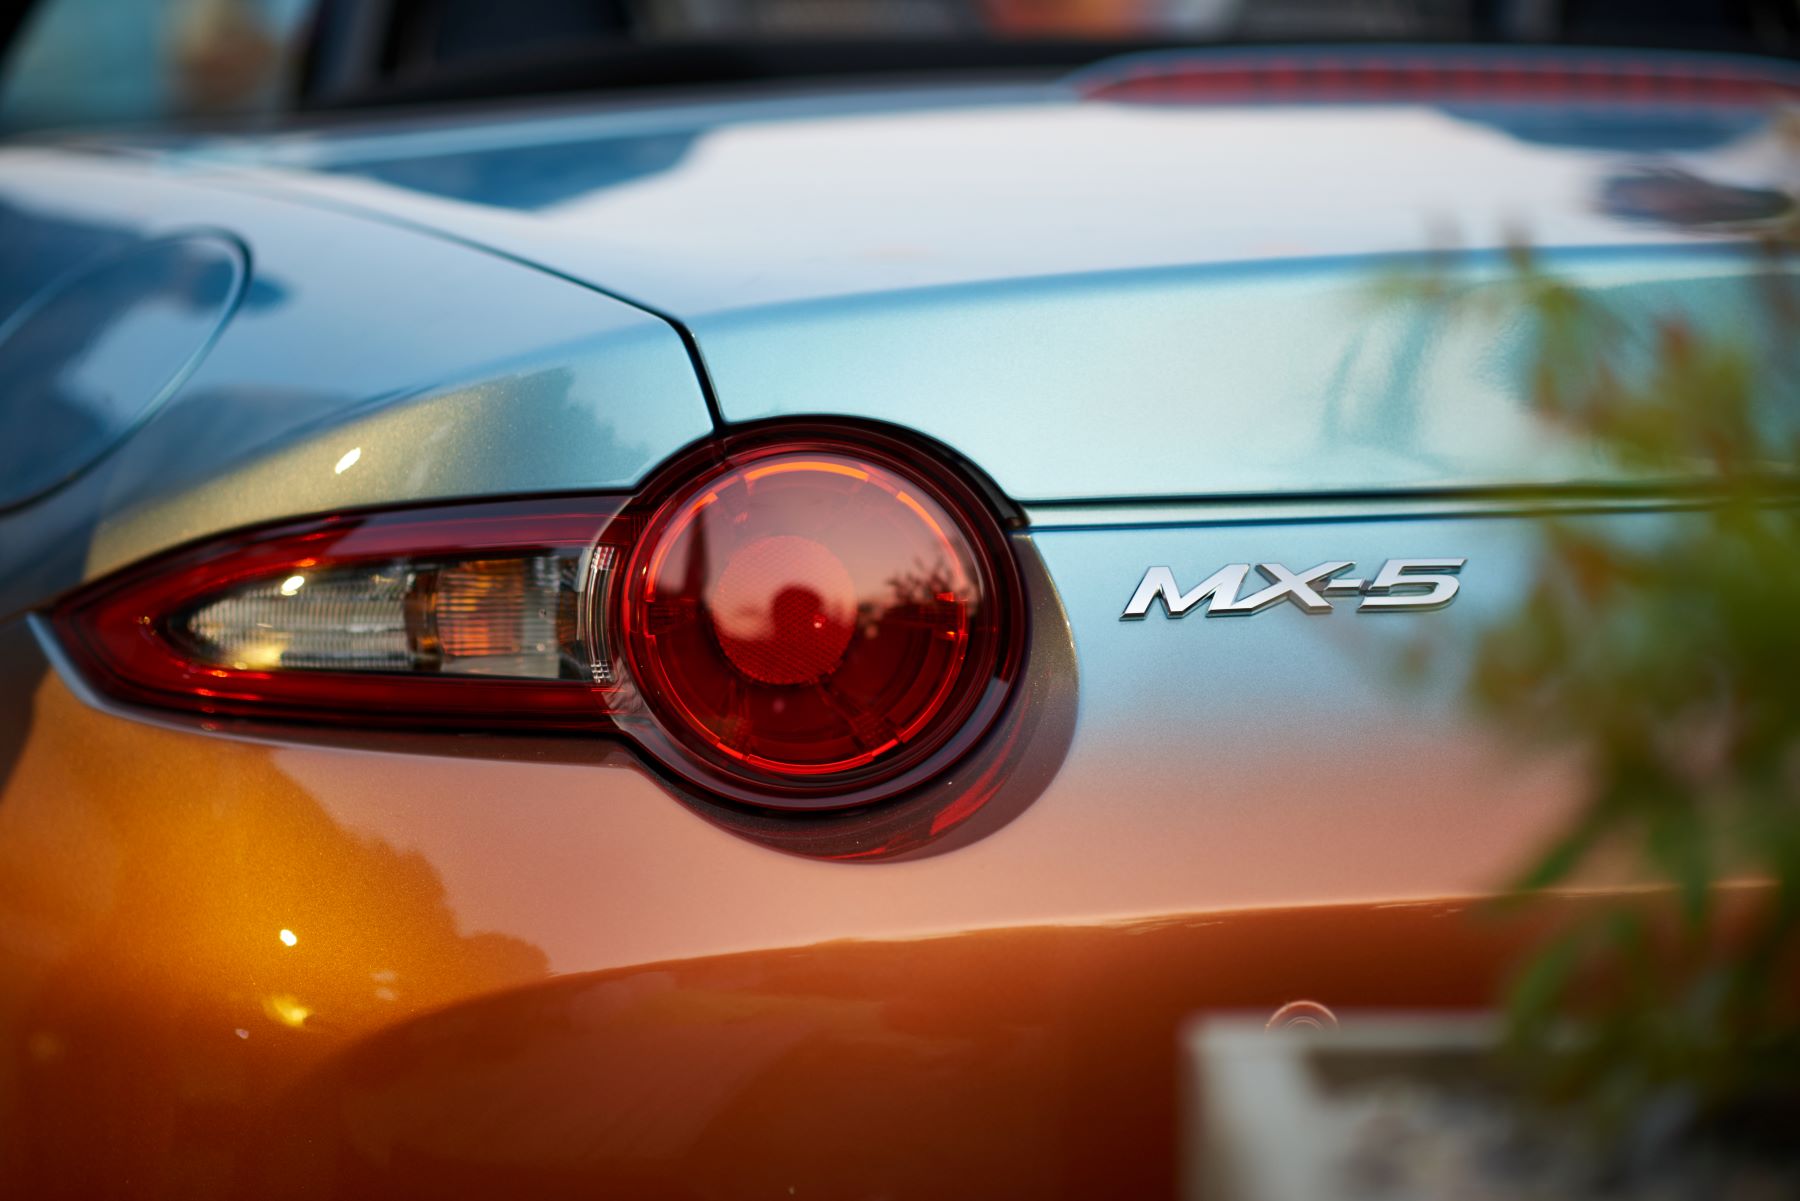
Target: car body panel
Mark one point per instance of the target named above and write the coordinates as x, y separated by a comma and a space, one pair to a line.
700, 211
514, 970
480, 994
1119, 271
1256, 380
89, 357
268, 961
450, 373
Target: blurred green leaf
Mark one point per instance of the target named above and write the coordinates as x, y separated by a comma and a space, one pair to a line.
1670, 665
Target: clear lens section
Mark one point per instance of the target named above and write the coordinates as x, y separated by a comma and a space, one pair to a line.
336, 620
514, 616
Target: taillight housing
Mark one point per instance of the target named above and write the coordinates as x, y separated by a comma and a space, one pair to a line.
794, 620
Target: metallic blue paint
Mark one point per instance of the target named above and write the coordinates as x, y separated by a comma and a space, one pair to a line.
1258, 379
451, 372
90, 355
1088, 299
701, 212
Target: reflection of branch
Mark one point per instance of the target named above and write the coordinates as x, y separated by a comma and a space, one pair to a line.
923, 584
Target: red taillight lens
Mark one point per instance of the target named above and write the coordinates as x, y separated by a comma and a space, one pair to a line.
813, 619
803, 624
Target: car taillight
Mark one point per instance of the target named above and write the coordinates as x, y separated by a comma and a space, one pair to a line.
802, 623
809, 618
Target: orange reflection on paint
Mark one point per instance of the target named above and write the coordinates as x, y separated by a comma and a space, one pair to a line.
489, 994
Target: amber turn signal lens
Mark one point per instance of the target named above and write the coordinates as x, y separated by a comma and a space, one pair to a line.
820, 620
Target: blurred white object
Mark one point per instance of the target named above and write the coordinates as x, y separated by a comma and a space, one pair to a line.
1306, 1112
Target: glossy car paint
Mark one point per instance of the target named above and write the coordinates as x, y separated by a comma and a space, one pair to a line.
89, 356
239, 961
451, 374
1117, 270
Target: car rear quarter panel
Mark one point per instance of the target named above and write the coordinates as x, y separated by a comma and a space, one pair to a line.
514, 971
450, 372
522, 967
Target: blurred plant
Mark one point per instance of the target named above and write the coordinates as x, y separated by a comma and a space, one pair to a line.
1666, 652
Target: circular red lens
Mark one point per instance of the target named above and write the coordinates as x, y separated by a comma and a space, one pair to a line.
819, 621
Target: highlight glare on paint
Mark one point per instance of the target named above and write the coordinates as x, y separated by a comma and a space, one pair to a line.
288, 938
286, 1009
348, 461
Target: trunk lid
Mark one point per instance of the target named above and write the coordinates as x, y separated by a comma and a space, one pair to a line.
1094, 297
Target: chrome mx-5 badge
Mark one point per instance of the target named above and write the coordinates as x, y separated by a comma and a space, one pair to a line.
1401, 586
